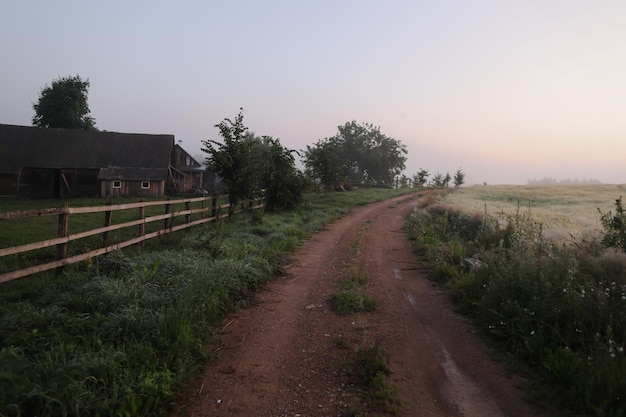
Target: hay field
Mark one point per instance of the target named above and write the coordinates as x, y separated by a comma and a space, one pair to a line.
564, 210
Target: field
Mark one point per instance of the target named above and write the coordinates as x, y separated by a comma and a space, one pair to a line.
562, 209
543, 275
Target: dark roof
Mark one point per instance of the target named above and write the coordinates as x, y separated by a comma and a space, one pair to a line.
132, 174
22, 146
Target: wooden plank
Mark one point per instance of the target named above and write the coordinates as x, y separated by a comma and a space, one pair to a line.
65, 212
9, 215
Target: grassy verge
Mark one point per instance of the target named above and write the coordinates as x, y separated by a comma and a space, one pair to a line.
118, 335
556, 310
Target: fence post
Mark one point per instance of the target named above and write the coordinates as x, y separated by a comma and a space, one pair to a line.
142, 226
168, 220
63, 231
187, 216
214, 206
108, 216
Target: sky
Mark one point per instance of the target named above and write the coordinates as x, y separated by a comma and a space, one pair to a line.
507, 91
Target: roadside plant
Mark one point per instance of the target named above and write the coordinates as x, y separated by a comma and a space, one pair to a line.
558, 311
614, 225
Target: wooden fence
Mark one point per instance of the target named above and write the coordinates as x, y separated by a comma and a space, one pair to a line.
208, 210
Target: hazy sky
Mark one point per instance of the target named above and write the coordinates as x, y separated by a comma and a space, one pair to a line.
507, 90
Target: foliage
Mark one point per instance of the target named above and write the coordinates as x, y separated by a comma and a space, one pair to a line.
614, 226
248, 165
421, 178
64, 105
118, 336
558, 310
358, 153
352, 301
233, 159
372, 366
440, 180
459, 178
282, 181
323, 161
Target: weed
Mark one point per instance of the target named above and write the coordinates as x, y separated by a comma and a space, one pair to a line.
555, 308
348, 302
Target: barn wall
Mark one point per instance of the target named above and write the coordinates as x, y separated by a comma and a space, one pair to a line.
132, 189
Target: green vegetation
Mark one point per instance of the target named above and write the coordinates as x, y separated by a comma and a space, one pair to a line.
248, 165
371, 360
372, 367
64, 105
357, 154
556, 309
351, 302
118, 335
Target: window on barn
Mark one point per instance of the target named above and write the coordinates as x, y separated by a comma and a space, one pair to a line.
145, 185
117, 184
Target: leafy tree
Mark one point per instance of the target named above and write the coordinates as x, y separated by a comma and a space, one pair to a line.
248, 164
446, 180
64, 105
440, 180
459, 178
421, 178
282, 181
358, 153
233, 159
324, 162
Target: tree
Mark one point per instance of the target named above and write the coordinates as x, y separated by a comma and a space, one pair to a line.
324, 162
440, 180
64, 105
249, 164
358, 153
233, 159
421, 178
282, 181
459, 178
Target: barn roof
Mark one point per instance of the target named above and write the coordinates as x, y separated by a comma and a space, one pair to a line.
22, 146
132, 174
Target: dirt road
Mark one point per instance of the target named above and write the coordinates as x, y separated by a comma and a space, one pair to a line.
290, 355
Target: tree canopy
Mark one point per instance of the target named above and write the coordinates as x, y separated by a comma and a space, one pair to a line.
358, 153
64, 105
248, 164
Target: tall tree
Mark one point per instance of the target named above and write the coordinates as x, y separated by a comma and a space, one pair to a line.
459, 178
359, 153
421, 178
249, 164
324, 162
232, 159
64, 105
282, 181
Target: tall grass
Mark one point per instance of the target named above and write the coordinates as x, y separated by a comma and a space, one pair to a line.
557, 309
118, 335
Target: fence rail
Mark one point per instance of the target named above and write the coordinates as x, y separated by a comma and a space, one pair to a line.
207, 213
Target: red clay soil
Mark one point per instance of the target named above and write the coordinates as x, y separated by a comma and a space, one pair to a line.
291, 355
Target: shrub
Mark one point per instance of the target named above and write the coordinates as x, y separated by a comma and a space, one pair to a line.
351, 302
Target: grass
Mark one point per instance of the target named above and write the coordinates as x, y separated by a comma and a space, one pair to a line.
555, 307
371, 360
118, 335
564, 209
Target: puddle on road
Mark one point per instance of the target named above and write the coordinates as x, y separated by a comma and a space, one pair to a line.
397, 273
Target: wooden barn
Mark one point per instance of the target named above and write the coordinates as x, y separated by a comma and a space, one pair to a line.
38, 162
